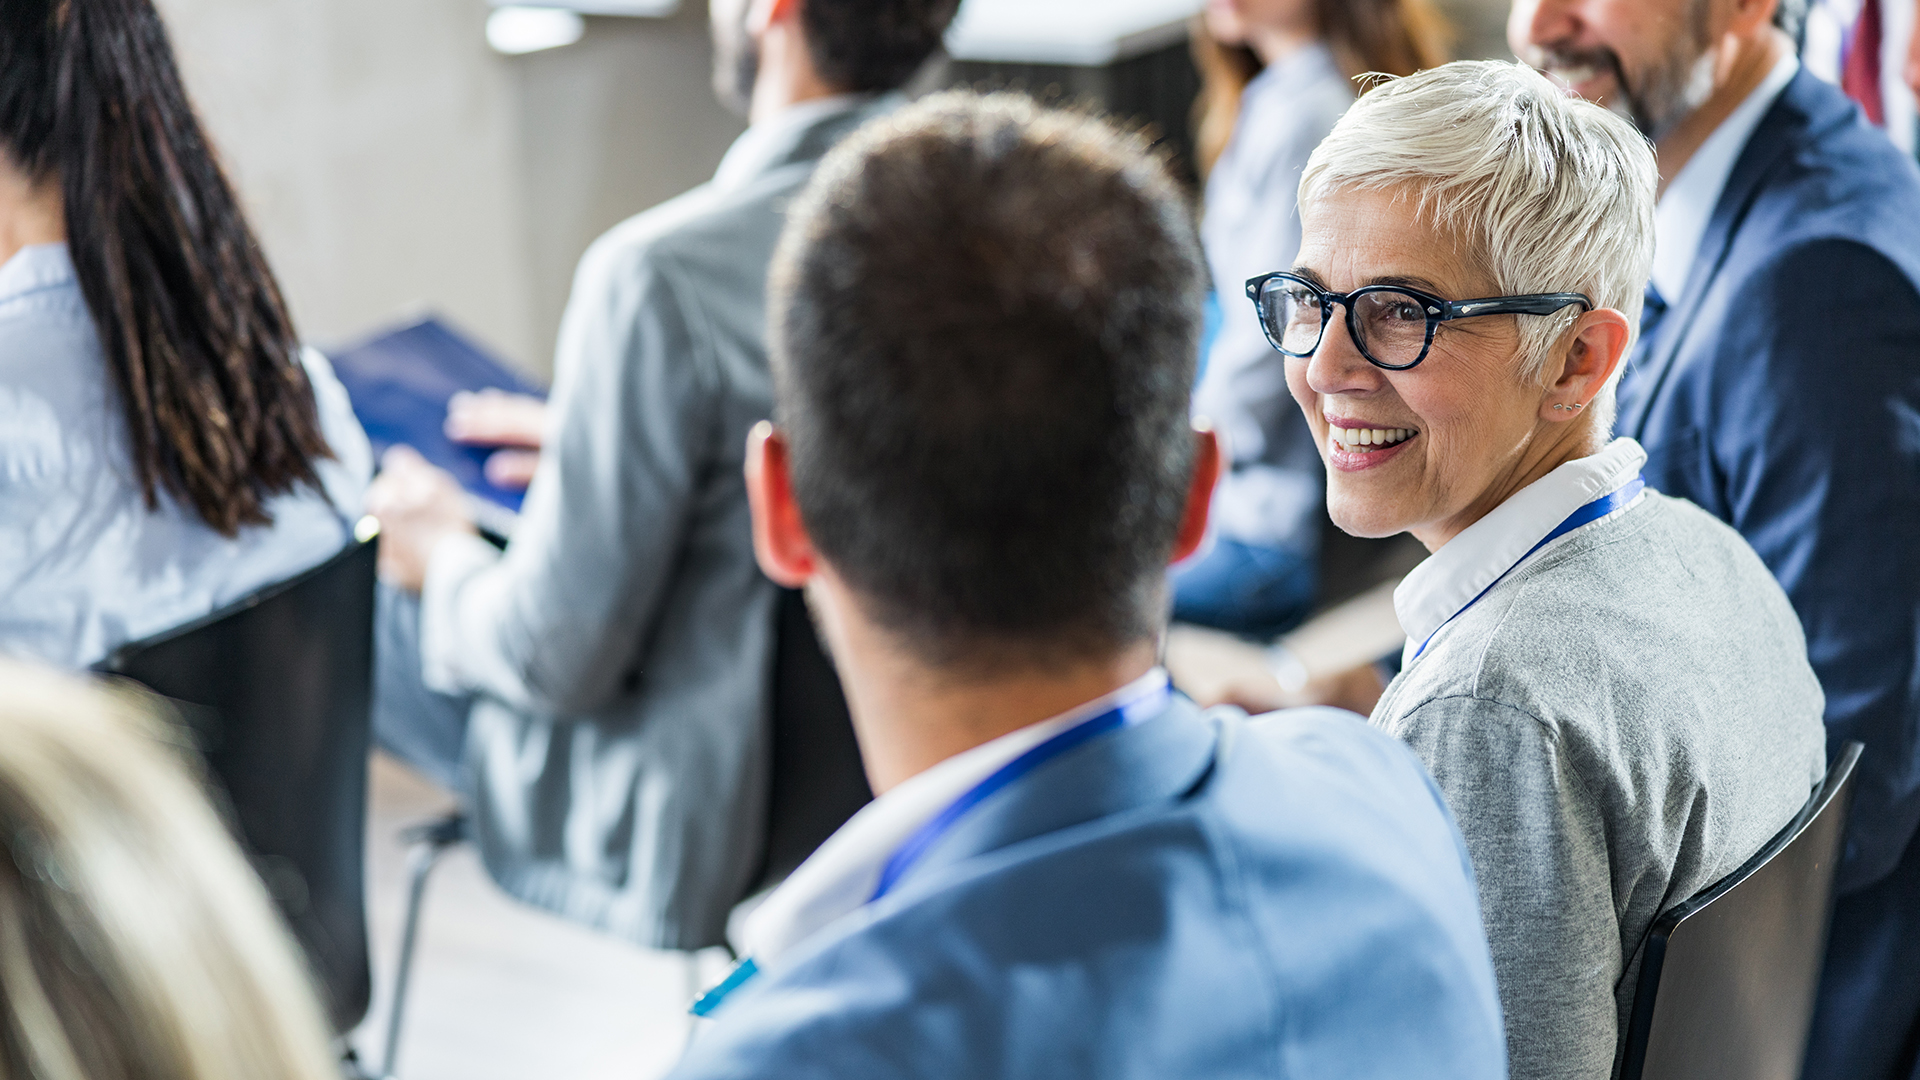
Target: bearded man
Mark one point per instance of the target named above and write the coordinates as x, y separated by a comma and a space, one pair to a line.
1777, 384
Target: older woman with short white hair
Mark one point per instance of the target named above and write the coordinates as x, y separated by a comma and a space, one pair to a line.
1609, 687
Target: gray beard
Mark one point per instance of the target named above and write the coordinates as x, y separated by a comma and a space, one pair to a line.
1681, 84
1671, 96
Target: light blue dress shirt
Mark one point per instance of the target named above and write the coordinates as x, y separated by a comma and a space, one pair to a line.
85, 565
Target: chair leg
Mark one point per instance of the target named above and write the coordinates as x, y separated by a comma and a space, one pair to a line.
429, 841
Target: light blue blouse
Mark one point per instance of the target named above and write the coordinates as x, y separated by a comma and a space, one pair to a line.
85, 566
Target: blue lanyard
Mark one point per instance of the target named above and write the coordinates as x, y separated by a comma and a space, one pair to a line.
1586, 515
1143, 706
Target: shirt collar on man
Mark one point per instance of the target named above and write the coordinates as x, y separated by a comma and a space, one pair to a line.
1681, 216
1466, 565
841, 876
762, 144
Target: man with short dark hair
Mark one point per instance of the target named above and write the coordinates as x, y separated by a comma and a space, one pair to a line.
985, 318
607, 694
1776, 383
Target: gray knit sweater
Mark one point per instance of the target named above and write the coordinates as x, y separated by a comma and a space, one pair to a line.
1617, 725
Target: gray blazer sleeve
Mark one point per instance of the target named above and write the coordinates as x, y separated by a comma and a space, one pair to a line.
1538, 844
555, 623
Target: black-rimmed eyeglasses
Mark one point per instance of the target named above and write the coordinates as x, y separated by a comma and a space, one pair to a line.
1392, 325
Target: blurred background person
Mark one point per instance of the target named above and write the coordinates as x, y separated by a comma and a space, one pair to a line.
167, 445
1276, 76
602, 693
136, 939
1775, 384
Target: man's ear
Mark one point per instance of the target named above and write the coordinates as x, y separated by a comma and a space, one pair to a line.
1206, 473
1598, 348
780, 540
762, 14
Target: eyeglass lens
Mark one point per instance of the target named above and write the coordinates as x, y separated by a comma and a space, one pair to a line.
1392, 324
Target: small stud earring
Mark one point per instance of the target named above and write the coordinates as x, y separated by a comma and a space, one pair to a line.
1559, 406
1578, 405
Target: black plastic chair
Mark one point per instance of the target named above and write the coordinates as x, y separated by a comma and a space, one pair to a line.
1728, 978
276, 691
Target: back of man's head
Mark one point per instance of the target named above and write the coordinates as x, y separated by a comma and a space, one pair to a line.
860, 46
984, 322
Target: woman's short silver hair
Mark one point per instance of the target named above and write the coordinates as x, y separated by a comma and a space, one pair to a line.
1549, 193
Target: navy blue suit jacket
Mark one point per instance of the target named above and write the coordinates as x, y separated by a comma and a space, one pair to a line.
1286, 897
1782, 393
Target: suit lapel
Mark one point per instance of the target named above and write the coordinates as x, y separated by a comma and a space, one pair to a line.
1783, 126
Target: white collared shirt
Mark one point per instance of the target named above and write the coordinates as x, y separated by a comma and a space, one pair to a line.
1464, 567
750, 153
85, 564
1681, 216
841, 876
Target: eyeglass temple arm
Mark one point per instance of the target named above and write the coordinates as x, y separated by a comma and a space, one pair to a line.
1539, 304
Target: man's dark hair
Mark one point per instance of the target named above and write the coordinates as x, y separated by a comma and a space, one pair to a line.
868, 45
984, 322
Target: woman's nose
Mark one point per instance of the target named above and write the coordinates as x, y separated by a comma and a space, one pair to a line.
1337, 367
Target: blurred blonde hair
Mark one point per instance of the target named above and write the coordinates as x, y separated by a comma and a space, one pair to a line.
135, 941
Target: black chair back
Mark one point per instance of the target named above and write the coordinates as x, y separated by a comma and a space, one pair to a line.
1727, 981
816, 780
276, 690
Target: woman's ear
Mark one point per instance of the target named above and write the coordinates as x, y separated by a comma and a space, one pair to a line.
1206, 473
1597, 348
780, 541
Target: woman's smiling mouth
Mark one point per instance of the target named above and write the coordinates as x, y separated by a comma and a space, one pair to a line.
1352, 444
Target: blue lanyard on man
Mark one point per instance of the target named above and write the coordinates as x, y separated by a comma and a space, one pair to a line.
1142, 705
1586, 515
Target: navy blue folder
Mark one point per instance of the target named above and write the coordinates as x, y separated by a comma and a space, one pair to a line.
399, 381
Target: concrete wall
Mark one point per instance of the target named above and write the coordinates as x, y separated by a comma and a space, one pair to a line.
391, 161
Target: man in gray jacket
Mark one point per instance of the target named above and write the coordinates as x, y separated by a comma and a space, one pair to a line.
599, 692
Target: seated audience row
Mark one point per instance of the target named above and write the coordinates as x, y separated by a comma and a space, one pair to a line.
984, 318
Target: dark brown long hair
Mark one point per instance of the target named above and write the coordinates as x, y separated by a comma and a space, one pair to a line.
197, 337
1394, 37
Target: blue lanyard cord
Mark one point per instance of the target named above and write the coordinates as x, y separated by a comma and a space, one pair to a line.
1145, 706
1586, 515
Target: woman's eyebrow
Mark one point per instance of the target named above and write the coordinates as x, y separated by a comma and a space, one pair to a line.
1411, 282
1309, 275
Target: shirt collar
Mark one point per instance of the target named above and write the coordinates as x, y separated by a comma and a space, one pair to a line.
33, 268
1681, 216
841, 876
1466, 565
762, 144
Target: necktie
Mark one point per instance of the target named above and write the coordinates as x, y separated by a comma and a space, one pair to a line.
1860, 65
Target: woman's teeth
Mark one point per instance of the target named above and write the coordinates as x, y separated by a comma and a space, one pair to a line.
1363, 439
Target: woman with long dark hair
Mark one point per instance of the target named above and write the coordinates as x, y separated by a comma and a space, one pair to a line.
1276, 75
166, 446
